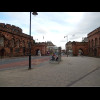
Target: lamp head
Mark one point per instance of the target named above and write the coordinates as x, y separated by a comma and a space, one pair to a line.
35, 13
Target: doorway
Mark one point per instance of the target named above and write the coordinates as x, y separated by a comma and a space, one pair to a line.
37, 52
24, 51
2, 51
95, 52
80, 52
11, 52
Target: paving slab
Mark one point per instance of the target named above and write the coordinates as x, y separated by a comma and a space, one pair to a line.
70, 72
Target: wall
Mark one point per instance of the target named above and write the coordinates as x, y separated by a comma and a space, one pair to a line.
11, 32
76, 46
94, 42
39, 46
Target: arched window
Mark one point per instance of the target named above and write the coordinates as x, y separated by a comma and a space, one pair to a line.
23, 44
92, 42
89, 43
12, 43
2, 41
26, 44
96, 42
99, 41
17, 43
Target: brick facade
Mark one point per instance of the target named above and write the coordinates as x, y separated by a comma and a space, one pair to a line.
75, 47
83, 46
39, 46
94, 42
13, 42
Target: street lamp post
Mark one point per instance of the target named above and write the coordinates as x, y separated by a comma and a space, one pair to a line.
67, 44
34, 13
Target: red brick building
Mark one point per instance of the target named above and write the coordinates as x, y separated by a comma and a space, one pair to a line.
13, 42
77, 47
80, 47
42, 46
94, 42
46, 48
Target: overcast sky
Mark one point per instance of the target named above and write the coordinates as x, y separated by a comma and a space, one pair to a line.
53, 26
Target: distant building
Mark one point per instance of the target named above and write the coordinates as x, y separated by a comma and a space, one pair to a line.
46, 48
85, 39
39, 47
51, 48
63, 51
94, 43
80, 48
75, 48
69, 47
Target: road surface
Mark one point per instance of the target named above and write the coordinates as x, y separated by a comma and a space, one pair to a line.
70, 72
16, 62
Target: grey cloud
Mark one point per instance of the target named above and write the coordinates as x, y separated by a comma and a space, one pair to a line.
63, 41
41, 31
90, 21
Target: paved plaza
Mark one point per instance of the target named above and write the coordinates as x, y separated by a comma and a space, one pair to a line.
70, 72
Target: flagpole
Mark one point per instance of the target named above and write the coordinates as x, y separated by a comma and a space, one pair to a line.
43, 38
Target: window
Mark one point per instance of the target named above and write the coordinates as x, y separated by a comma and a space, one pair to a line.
26, 44
92, 43
23, 44
89, 43
17, 50
2, 41
12, 43
96, 41
17, 43
99, 41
